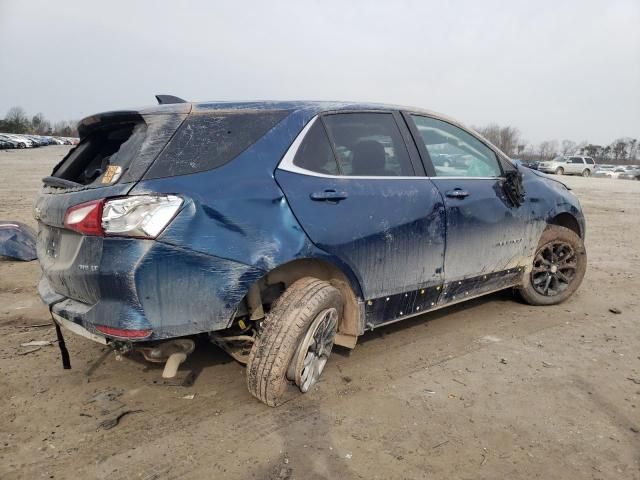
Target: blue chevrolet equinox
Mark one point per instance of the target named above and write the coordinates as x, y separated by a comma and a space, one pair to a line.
278, 229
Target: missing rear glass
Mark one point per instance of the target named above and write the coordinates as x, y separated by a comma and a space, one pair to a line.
102, 156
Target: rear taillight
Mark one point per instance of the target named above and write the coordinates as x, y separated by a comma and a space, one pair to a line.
85, 218
140, 216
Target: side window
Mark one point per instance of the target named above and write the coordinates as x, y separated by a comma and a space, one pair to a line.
590, 161
315, 152
575, 160
454, 152
368, 144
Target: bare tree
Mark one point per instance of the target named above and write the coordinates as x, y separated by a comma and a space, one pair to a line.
547, 149
619, 150
506, 138
568, 147
16, 120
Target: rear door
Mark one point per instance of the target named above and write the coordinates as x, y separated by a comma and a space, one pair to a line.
356, 186
575, 165
488, 237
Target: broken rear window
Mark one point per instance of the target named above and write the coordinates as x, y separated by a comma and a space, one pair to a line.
104, 155
208, 140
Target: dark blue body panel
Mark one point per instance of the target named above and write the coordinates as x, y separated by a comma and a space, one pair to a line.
397, 241
390, 232
485, 232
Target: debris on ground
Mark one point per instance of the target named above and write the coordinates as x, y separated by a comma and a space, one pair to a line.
31, 350
503, 361
440, 444
634, 380
17, 241
34, 325
615, 310
107, 401
36, 343
109, 423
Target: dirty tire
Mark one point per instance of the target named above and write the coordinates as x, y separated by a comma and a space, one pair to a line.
282, 331
559, 171
586, 172
562, 234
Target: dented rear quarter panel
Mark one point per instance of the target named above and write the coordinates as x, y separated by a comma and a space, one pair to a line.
235, 226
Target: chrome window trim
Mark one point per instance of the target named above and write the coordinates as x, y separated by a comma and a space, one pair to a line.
287, 164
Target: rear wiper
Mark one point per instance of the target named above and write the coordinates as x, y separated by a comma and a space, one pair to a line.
60, 182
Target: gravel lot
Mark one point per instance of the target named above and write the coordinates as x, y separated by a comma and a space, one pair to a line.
489, 389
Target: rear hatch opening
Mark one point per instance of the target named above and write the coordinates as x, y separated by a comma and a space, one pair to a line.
103, 155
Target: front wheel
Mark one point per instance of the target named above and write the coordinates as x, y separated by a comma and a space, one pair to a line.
296, 340
586, 172
558, 268
559, 171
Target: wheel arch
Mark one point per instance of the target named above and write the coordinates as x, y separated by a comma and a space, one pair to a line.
569, 221
341, 277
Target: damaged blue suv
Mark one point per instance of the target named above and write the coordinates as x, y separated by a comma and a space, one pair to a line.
279, 229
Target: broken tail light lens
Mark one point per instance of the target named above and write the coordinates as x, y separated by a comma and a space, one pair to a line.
85, 218
140, 216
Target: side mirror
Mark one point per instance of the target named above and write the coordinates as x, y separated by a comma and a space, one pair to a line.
513, 187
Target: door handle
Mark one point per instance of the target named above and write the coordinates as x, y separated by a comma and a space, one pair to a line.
328, 195
457, 193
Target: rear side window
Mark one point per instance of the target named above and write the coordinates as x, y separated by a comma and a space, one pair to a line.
575, 160
315, 153
368, 144
209, 140
590, 161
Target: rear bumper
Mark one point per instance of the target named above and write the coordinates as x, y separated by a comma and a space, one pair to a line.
78, 329
167, 289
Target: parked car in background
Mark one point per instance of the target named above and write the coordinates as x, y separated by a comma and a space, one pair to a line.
10, 142
573, 165
626, 172
277, 229
6, 144
21, 142
631, 172
532, 164
14, 140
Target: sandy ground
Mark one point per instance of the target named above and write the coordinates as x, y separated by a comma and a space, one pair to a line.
490, 389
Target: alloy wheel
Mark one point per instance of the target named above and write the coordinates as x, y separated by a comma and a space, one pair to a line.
554, 268
313, 353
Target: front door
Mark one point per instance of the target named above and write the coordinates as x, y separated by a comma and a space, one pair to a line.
489, 239
352, 184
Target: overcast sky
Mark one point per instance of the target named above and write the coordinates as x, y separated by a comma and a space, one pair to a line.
555, 69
